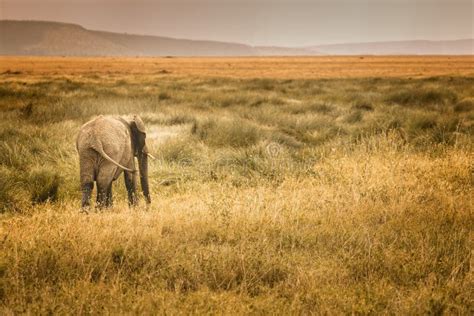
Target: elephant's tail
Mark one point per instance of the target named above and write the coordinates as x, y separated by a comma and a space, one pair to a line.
100, 149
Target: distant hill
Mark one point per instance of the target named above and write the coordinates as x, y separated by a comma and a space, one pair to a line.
419, 47
54, 38
40, 38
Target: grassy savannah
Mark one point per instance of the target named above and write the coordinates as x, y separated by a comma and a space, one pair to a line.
275, 195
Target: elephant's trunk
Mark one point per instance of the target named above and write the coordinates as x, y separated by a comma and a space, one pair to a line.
143, 165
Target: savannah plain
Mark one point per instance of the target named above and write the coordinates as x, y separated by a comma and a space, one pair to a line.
319, 185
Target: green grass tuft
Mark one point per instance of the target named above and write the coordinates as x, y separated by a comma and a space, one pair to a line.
465, 105
220, 133
44, 185
423, 97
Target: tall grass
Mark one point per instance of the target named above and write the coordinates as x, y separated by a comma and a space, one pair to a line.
226, 132
342, 196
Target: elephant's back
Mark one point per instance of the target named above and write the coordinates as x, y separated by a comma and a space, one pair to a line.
109, 131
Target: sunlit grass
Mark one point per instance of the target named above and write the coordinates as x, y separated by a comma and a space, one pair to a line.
269, 196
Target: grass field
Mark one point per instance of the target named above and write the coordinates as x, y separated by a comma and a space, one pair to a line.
282, 186
240, 68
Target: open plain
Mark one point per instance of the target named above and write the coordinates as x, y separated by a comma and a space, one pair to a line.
312, 185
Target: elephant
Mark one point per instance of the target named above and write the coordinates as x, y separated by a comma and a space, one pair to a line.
107, 146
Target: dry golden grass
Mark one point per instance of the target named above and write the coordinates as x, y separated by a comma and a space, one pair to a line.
247, 67
269, 196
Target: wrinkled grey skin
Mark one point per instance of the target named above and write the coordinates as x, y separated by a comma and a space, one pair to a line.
107, 147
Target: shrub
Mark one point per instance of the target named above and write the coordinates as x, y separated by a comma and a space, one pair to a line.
44, 185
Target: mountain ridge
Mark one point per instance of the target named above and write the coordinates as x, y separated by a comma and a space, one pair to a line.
46, 38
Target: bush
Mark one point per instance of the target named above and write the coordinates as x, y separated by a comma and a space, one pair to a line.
44, 185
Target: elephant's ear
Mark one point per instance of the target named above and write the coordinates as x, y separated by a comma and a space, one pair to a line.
139, 123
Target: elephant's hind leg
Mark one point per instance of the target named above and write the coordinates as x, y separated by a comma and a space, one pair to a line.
104, 186
102, 192
87, 179
87, 188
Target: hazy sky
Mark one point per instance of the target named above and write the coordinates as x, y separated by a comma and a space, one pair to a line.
261, 22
